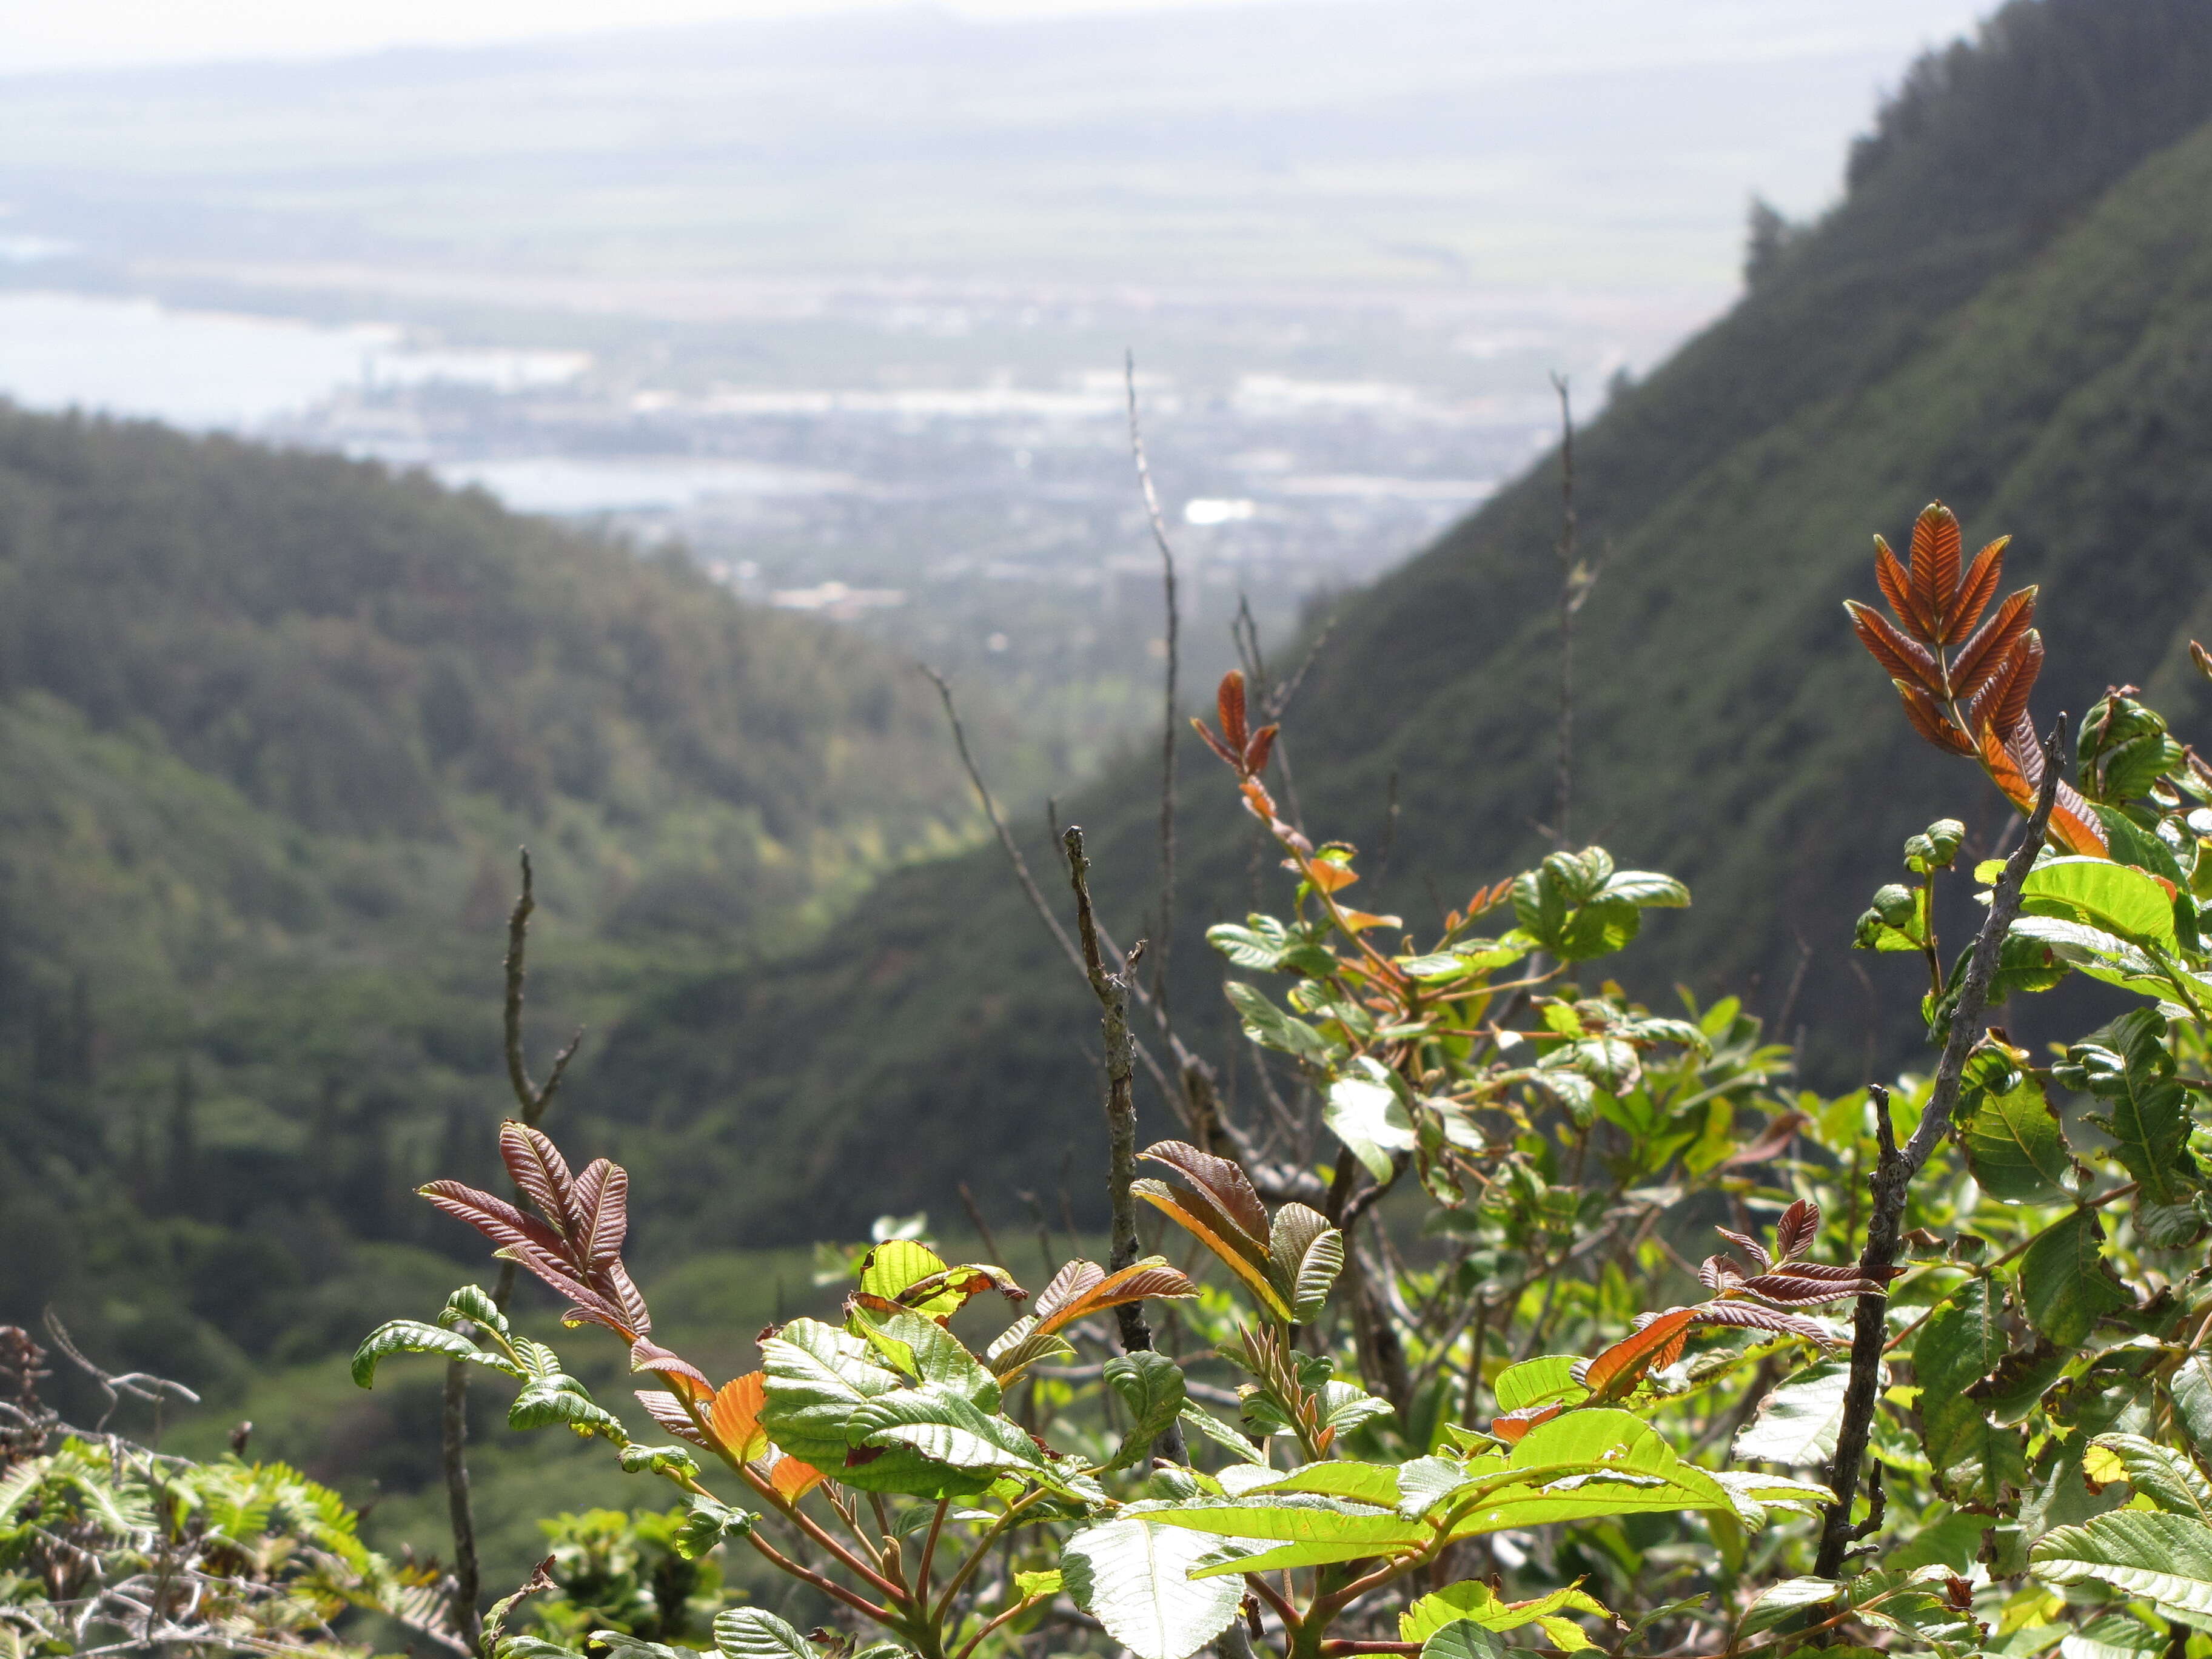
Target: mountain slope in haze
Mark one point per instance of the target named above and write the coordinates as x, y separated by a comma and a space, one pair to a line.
271, 727
2008, 309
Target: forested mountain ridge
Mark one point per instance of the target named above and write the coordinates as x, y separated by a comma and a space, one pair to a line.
271, 727
2007, 310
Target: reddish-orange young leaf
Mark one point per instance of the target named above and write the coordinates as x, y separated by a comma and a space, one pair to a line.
1230, 701
1750, 1315
1673, 1351
1773, 1142
1901, 659
1212, 742
603, 1207
1360, 921
1980, 657
1326, 874
1935, 565
1221, 1179
539, 1170
1795, 1233
1929, 720
2004, 770
1511, 1425
1132, 1284
2202, 657
679, 1373
1206, 1224
1976, 589
665, 1409
735, 1416
2012, 711
794, 1478
1897, 588
1257, 751
1617, 1371
2075, 827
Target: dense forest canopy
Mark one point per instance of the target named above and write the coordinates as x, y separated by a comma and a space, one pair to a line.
274, 725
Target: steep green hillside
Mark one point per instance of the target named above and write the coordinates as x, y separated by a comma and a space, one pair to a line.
271, 727
2010, 309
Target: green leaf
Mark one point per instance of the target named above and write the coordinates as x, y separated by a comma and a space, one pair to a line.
412, 1336
1778, 1602
658, 1460
1463, 1639
1375, 1484
1584, 1464
1372, 1121
754, 1633
2149, 1120
817, 1378
1135, 1577
1599, 928
2115, 1636
1425, 1482
1962, 1342
1150, 1386
2065, 1285
1305, 1255
474, 1302
1222, 1435
1259, 945
2190, 1390
1029, 1585
620, 1644
2165, 1476
1270, 1026
709, 1523
2097, 953
1648, 889
1798, 1423
2116, 897
1478, 1604
2014, 1146
1531, 1382
1298, 1518
2165, 1558
546, 1401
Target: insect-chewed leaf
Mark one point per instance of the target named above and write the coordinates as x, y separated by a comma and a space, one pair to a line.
1220, 1180
1897, 587
1900, 657
1935, 566
1979, 658
539, 1170
1616, 1371
1976, 589
897, 1264
735, 1416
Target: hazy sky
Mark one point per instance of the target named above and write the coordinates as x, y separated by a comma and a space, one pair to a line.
43, 34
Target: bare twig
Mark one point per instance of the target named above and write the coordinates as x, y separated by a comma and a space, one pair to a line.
1164, 940
983, 1227
1112, 990
1895, 1168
